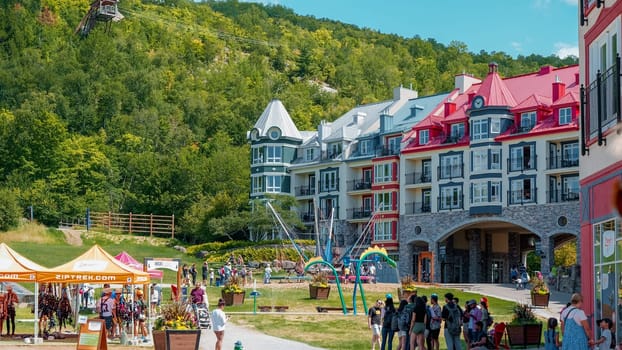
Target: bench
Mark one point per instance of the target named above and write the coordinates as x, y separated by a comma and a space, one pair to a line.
277, 308
290, 279
327, 309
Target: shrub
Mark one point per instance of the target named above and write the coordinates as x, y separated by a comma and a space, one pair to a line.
10, 211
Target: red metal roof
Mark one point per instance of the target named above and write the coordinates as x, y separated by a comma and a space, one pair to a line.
569, 98
495, 92
533, 101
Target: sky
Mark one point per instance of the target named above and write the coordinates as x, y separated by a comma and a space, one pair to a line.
516, 27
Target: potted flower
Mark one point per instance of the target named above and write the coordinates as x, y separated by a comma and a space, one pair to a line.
540, 293
407, 288
176, 327
232, 293
319, 288
525, 329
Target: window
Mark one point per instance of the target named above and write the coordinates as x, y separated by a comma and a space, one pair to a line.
522, 158
570, 154
570, 188
274, 133
451, 166
257, 155
365, 147
522, 191
334, 149
565, 116
257, 184
480, 160
480, 192
426, 170
527, 121
426, 200
384, 201
495, 191
329, 181
495, 159
457, 131
309, 154
383, 172
495, 126
479, 129
273, 154
424, 137
451, 197
367, 204
394, 145
383, 231
273, 183
326, 207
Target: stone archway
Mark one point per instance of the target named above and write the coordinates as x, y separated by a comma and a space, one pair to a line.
421, 261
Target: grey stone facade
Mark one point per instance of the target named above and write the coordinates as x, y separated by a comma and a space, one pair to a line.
434, 228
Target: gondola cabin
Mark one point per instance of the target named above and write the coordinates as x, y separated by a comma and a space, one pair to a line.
107, 10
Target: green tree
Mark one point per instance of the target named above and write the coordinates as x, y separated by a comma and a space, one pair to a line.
10, 211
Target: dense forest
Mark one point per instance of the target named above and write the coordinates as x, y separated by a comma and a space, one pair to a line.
150, 114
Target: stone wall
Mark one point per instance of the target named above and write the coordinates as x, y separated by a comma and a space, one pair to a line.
541, 219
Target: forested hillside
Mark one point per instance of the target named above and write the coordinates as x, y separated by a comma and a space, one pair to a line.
151, 115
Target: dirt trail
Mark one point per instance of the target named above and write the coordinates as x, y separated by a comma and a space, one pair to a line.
72, 236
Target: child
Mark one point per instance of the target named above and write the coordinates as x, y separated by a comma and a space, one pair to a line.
605, 334
551, 336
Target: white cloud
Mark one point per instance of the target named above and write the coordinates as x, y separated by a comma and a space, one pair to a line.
563, 50
516, 46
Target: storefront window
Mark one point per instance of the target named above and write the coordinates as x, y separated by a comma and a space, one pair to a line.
607, 271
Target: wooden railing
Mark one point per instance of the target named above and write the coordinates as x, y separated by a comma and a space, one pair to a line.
158, 225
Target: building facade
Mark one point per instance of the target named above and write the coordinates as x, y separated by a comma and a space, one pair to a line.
601, 159
458, 187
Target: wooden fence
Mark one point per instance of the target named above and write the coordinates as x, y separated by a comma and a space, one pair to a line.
158, 225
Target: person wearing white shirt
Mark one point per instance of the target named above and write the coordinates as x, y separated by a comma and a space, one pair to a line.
219, 320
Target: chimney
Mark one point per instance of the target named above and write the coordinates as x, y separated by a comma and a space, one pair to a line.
464, 81
559, 89
493, 67
545, 69
359, 118
471, 96
450, 107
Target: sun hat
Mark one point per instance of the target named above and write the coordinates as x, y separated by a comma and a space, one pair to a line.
389, 296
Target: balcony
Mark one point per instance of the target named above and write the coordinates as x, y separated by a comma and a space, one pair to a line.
560, 197
451, 202
328, 186
358, 185
522, 196
453, 139
418, 208
387, 151
450, 171
561, 162
522, 163
304, 191
418, 178
359, 213
602, 103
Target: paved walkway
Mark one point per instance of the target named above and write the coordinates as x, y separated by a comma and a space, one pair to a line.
254, 340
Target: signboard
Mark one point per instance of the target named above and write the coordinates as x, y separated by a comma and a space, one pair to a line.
92, 335
154, 264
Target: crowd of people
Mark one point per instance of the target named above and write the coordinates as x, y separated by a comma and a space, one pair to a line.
124, 312
418, 323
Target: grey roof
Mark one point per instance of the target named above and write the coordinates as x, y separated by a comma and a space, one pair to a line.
403, 118
275, 115
371, 114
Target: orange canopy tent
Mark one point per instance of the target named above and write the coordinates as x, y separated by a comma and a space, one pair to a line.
16, 268
94, 266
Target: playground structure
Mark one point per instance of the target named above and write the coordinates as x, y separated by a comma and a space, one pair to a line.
324, 257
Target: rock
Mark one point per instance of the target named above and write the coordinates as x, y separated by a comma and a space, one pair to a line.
202, 254
253, 264
288, 265
180, 248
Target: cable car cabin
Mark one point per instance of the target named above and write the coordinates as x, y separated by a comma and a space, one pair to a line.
107, 10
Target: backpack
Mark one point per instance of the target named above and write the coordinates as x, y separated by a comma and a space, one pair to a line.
452, 323
403, 319
395, 322
388, 318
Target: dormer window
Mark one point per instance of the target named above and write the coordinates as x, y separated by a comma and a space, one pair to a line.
309, 154
565, 115
527, 121
334, 149
424, 137
274, 133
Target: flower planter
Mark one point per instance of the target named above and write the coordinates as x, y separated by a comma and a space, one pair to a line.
231, 298
318, 292
177, 339
524, 334
405, 294
540, 299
